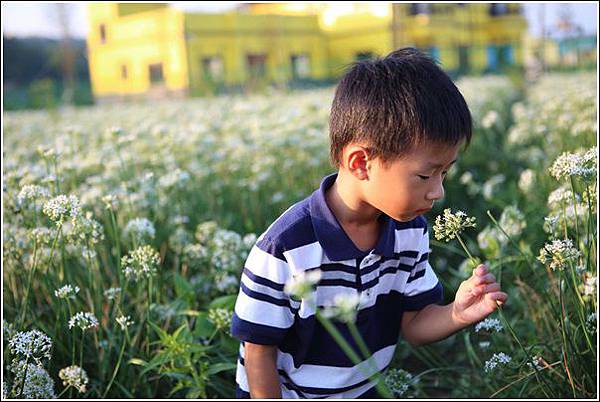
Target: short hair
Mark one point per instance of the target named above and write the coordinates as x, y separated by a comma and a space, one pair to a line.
396, 103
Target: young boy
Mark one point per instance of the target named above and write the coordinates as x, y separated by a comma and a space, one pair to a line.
396, 127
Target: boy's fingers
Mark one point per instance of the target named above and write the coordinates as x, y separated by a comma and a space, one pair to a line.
480, 270
488, 278
499, 297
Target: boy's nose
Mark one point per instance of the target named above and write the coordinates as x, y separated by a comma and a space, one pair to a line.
436, 193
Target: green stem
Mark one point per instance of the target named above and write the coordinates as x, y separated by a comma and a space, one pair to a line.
473, 259
381, 387
29, 280
81, 348
562, 329
114, 374
514, 244
575, 209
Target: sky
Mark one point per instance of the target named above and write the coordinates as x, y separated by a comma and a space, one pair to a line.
40, 19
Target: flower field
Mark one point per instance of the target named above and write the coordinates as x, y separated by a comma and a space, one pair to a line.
126, 228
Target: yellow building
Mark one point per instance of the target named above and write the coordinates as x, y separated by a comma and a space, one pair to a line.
152, 49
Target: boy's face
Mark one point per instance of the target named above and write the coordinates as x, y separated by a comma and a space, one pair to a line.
408, 187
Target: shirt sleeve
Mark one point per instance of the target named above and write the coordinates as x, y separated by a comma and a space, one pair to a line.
422, 286
263, 312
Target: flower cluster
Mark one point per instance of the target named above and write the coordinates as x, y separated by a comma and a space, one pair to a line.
83, 320
398, 381
558, 253
344, 307
221, 318
140, 229
301, 285
74, 376
32, 192
140, 263
31, 382
450, 225
495, 360
67, 292
577, 164
124, 321
489, 324
112, 293
61, 208
31, 344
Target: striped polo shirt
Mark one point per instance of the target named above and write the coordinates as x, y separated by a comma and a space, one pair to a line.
393, 277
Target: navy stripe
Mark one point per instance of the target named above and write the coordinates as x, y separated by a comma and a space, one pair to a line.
256, 333
266, 298
314, 390
336, 267
416, 276
263, 281
417, 302
337, 282
423, 257
407, 253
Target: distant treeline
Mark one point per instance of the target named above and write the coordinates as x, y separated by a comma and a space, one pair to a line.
33, 73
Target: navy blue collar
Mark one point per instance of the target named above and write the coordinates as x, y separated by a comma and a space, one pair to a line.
332, 237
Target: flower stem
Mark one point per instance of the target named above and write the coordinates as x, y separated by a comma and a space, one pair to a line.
381, 387
29, 279
114, 374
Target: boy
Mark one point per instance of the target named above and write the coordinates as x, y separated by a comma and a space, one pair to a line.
396, 126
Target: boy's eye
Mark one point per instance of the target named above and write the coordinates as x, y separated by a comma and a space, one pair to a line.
427, 177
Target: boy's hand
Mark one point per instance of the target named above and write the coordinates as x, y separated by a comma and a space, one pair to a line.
476, 297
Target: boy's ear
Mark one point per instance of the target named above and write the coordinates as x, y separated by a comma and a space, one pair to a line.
357, 161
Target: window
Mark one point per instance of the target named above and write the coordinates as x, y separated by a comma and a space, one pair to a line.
463, 59
497, 9
156, 73
300, 65
212, 67
364, 55
123, 72
419, 8
257, 65
102, 34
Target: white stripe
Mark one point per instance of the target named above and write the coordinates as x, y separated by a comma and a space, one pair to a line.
279, 294
261, 312
338, 275
350, 263
311, 375
408, 239
423, 284
305, 257
267, 266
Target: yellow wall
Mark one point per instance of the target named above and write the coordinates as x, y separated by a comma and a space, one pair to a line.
232, 36
135, 40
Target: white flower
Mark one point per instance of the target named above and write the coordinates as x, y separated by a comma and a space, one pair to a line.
560, 196
590, 285
140, 263
37, 383
489, 324
450, 225
32, 192
221, 318
83, 320
536, 363
74, 376
490, 119
398, 381
577, 164
112, 293
512, 221
31, 344
110, 201
496, 359
301, 284
124, 321
345, 307
67, 291
140, 229
62, 207
558, 253
526, 181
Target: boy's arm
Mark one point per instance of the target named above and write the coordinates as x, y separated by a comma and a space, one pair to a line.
260, 362
475, 299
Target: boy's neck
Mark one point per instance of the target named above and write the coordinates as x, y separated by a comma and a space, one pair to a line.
345, 200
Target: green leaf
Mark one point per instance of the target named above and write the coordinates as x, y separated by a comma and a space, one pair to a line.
218, 367
203, 328
136, 361
183, 288
227, 302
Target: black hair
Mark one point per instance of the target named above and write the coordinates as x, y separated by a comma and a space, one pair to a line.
394, 104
